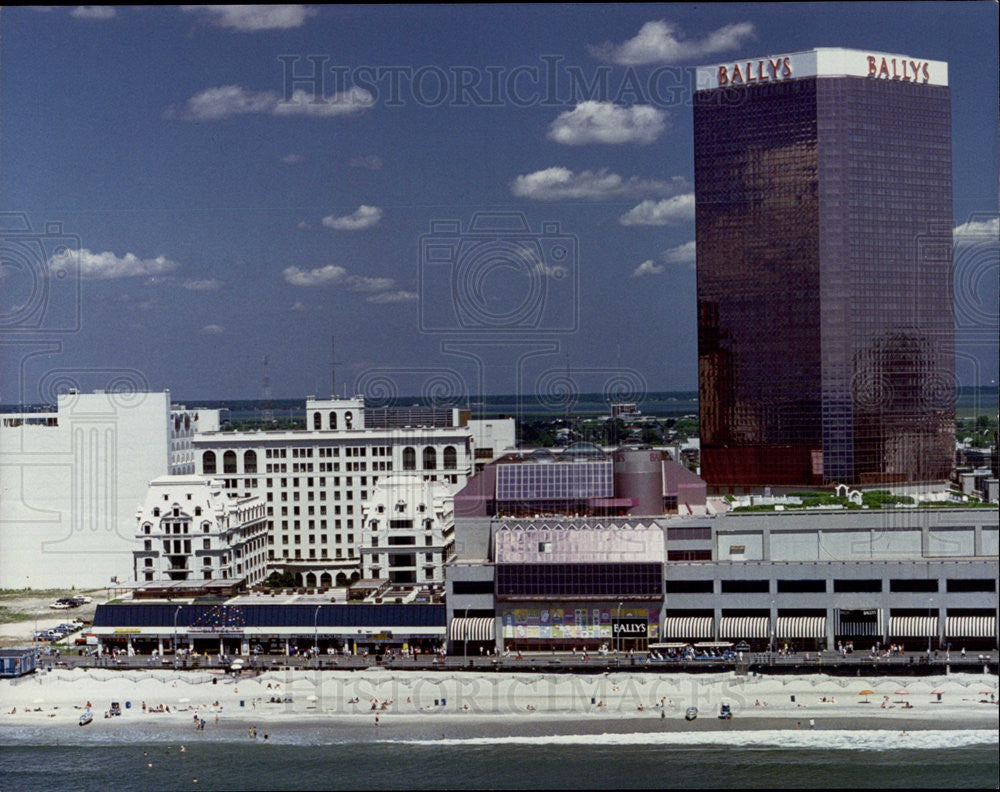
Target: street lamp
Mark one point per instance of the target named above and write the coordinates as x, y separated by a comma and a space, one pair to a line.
773, 618
930, 617
465, 635
176, 613
316, 636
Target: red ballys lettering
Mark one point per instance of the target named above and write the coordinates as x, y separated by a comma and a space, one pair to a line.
749, 73
872, 66
884, 68
927, 75
774, 67
723, 76
787, 68
737, 75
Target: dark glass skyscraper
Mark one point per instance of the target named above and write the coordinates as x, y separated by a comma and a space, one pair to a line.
824, 217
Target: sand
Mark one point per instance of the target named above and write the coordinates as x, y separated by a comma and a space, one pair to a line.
469, 704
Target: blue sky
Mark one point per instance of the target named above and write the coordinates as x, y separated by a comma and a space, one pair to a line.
217, 213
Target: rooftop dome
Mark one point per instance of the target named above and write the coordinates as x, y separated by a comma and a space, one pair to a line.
582, 452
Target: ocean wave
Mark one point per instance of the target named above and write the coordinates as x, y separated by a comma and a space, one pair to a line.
832, 739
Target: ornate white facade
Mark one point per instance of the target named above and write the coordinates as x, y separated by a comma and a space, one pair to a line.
188, 529
408, 531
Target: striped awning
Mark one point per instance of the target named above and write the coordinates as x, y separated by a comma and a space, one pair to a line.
687, 627
913, 626
473, 629
744, 627
800, 627
970, 627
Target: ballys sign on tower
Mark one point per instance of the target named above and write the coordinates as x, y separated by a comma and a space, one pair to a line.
821, 62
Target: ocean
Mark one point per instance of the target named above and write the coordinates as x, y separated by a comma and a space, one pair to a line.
364, 757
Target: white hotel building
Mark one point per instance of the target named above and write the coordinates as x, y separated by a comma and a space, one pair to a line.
189, 530
313, 482
408, 531
71, 479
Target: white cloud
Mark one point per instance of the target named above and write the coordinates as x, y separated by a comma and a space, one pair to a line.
207, 284
360, 283
212, 329
606, 122
370, 162
107, 265
353, 100
364, 217
682, 254
253, 18
978, 231
557, 183
93, 12
302, 224
318, 276
670, 211
293, 159
225, 101
648, 268
663, 42
393, 297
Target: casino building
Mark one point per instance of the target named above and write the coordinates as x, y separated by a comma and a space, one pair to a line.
823, 187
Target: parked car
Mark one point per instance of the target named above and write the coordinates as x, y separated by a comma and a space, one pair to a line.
725, 711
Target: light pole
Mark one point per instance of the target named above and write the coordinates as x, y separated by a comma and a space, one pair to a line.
316, 636
930, 618
176, 613
465, 635
773, 618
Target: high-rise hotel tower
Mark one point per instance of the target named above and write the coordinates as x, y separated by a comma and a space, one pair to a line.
824, 217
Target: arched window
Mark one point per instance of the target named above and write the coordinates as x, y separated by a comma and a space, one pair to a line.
450, 458
317, 420
430, 458
409, 459
229, 462
208, 462
333, 420
348, 419
250, 462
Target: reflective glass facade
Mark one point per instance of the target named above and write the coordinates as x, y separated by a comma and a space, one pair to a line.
825, 329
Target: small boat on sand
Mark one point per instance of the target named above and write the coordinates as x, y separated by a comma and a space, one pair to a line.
86, 718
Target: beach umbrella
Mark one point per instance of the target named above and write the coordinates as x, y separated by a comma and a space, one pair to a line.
937, 692
183, 701
866, 693
902, 693
39, 701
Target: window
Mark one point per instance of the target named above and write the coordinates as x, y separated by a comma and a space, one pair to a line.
250, 462
332, 420
409, 458
430, 458
450, 458
229, 462
317, 421
208, 462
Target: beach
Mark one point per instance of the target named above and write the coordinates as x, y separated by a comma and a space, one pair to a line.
467, 704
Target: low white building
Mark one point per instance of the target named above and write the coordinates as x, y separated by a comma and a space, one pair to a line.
408, 531
70, 480
188, 529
